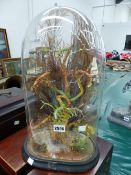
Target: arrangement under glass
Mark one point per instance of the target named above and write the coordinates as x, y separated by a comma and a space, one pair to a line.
62, 60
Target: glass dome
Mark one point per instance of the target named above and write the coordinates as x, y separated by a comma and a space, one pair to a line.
62, 63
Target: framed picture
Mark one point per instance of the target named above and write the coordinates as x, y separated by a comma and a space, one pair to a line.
11, 66
4, 46
1, 70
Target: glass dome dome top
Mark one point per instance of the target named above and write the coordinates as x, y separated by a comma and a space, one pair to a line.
62, 60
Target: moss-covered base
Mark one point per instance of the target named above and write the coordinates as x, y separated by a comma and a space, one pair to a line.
70, 165
67, 146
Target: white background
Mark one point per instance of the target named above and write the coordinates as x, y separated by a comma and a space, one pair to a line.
111, 21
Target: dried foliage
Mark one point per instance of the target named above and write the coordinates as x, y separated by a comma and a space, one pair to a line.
66, 79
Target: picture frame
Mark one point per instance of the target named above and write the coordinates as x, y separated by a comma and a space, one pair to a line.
11, 66
4, 46
1, 70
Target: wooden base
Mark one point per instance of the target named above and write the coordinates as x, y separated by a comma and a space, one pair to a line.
11, 162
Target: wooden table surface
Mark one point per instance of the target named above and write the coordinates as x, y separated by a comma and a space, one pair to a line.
11, 156
10, 153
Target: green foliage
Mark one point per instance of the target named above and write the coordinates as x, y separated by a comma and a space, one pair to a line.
61, 107
45, 50
79, 144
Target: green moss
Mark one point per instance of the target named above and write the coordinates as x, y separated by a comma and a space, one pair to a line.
80, 145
